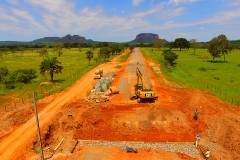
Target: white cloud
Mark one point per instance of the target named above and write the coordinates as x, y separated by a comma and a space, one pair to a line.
176, 2
53, 6
15, 2
160, 13
201, 28
234, 2
22, 14
5, 16
136, 2
123, 11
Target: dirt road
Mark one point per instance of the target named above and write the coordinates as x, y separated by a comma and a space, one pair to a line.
10, 144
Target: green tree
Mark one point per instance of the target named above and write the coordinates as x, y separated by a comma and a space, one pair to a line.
213, 48
94, 46
3, 73
224, 45
1, 54
194, 45
68, 45
159, 43
13, 50
50, 65
9, 81
219, 46
169, 57
89, 55
180, 43
104, 53
24, 75
57, 48
43, 52
21, 50
80, 45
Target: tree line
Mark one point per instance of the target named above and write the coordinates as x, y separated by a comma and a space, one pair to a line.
50, 64
218, 46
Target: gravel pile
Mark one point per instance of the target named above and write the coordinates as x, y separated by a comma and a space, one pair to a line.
188, 149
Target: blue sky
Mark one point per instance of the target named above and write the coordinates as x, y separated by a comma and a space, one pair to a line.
119, 20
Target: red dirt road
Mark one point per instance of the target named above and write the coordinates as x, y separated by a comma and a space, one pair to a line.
10, 144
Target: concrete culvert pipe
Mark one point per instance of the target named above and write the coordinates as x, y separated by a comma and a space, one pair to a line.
114, 90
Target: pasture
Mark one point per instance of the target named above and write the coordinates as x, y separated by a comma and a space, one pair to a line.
74, 63
220, 78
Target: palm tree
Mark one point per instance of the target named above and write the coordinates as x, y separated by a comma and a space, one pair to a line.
90, 55
50, 65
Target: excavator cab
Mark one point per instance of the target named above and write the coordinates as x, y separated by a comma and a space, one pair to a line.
138, 87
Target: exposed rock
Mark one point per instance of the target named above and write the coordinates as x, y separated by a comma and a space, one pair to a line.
145, 38
147, 35
73, 38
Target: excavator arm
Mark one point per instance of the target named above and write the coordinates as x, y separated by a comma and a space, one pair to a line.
140, 76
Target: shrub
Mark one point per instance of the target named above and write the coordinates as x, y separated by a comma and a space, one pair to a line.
24, 75
9, 82
3, 73
202, 69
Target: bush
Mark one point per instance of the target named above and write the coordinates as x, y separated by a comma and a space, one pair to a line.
202, 69
3, 73
9, 82
169, 57
24, 75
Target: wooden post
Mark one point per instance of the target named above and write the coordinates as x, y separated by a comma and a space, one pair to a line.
38, 128
22, 100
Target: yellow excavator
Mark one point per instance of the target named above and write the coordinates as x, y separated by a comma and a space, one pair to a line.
141, 92
98, 73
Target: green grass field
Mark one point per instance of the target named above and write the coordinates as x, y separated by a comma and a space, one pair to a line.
222, 79
74, 62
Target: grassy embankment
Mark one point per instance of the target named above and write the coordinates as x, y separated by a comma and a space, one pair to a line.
222, 79
74, 62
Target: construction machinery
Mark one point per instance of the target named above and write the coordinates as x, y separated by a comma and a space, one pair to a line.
98, 73
141, 92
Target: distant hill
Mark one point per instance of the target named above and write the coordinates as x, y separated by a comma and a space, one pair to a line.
145, 38
10, 42
66, 39
46, 39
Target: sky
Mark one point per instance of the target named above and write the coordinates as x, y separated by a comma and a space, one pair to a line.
119, 20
